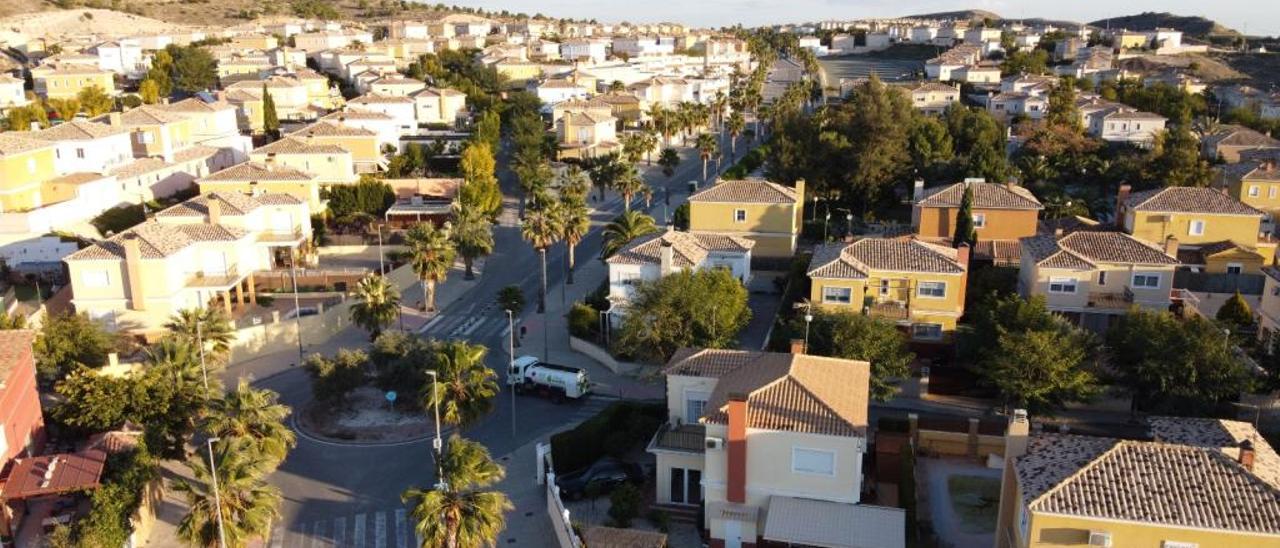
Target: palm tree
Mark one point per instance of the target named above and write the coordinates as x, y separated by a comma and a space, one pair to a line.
460, 512
632, 146
465, 386
534, 173
431, 254
664, 121
214, 328
574, 183
649, 139
178, 359
245, 501
472, 235
377, 302
254, 414
629, 183
669, 159
736, 124
708, 146
541, 227
575, 222
626, 227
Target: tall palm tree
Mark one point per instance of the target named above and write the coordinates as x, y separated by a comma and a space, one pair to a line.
177, 358
431, 254
377, 302
465, 386
626, 227
472, 235
629, 183
708, 146
461, 512
664, 121
736, 123
632, 146
649, 140
575, 222
574, 183
534, 173
253, 414
669, 159
245, 501
214, 329
541, 227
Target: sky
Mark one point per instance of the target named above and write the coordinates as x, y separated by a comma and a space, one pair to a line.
1258, 16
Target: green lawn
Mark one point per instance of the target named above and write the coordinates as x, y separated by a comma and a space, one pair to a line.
976, 501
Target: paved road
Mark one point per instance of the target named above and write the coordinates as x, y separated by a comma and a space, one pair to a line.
343, 495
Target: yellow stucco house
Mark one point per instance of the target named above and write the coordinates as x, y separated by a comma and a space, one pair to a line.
67, 82
155, 131
331, 164
768, 213
1199, 220
25, 164
1002, 213
261, 178
917, 285
1255, 183
585, 135
1200, 483
362, 143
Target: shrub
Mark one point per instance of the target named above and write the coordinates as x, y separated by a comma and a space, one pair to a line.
583, 321
577, 448
624, 505
333, 379
370, 196
511, 298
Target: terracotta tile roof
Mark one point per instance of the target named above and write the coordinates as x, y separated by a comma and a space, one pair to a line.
15, 346
689, 249
1148, 482
145, 115
329, 128
1239, 136
294, 145
598, 536
158, 240
791, 392
377, 98
985, 196
230, 203
1083, 250
1183, 199
256, 171
10, 143
77, 130
196, 152
139, 166
588, 119
1224, 435
1251, 171
858, 259
194, 104
746, 191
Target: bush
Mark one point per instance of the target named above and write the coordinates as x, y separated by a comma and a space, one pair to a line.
370, 196
624, 505
583, 321
511, 298
614, 431
119, 219
114, 502
681, 216
333, 379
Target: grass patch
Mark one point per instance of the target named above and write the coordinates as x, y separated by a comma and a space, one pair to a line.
976, 501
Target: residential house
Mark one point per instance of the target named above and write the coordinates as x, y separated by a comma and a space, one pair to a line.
585, 135
1017, 104
1002, 213
1198, 482
642, 46
625, 106
81, 146
396, 86
267, 177
386, 130
584, 49
1256, 183
124, 57
518, 72
12, 92
1092, 275
1196, 217
1117, 123
932, 98
652, 257
594, 107
1229, 141
942, 66
214, 123
768, 213
363, 143
664, 91
977, 74
461, 24
155, 131
401, 109
313, 42
438, 106
917, 285
25, 163
202, 252
771, 445
68, 82
418, 30
557, 90
21, 417
330, 163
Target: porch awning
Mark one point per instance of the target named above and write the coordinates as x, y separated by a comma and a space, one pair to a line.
53, 474
833, 524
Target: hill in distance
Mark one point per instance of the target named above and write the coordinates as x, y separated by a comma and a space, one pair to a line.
963, 15
1189, 25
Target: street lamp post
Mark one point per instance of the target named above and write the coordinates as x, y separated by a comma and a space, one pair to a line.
297, 305
848, 217
217, 498
438, 443
825, 221
511, 366
808, 319
203, 368
382, 266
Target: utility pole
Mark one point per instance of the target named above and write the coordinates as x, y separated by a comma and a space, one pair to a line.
511, 366
437, 444
217, 498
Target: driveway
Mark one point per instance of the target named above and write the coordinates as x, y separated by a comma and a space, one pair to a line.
946, 524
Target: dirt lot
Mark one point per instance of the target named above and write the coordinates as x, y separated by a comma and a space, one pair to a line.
367, 417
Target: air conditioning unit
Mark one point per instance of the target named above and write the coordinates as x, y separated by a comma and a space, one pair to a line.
1099, 539
715, 444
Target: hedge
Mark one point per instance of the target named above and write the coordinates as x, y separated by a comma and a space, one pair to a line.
616, 430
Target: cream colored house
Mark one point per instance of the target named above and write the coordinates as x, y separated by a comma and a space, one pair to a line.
331, 164
200, 253
1093, 275
12, 94
262, 178
587, 136
650, 258
438, 105
772, 445
766, 212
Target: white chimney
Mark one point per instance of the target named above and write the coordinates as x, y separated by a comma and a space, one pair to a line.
917, 190
666, 258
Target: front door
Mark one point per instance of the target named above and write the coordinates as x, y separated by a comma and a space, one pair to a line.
733, 534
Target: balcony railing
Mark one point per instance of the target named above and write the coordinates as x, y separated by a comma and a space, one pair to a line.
215, 279
683, 437
889, 310
280, 237
1111, 300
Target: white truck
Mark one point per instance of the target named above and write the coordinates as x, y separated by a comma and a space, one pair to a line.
530, 375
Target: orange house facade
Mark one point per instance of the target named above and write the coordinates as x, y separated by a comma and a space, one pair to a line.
1002, 213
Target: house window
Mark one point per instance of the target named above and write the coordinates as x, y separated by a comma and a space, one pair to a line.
838, 295
1102, 277
739, 215
935, 290
1271, 192
1062, 285
80, 153
979, 220
926, 331
813, 461
1234, 268
1146, 280
1176, 544
1196, 228
95, 278
695, 403
1253, 190
884, 288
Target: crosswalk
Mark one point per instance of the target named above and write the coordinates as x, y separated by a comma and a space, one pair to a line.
385, 529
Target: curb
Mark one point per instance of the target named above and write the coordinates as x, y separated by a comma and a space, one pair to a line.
314, 438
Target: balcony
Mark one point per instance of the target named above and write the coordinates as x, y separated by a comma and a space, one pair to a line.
224, 279
1111, 300
889, 310
282, 238
689, 438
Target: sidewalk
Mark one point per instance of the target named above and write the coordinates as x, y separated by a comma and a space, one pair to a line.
528, 524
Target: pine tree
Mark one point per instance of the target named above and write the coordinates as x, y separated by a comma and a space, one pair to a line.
965, 231
270, 121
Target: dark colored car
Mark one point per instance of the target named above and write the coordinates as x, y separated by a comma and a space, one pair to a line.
600, 478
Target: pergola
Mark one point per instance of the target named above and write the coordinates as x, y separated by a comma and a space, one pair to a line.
53, 475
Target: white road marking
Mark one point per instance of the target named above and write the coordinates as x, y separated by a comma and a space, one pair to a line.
401, 529
340, 531
357, 531
380, 530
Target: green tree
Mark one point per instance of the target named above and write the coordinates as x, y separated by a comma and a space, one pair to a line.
480, 187
575, 223
21, 119
97, 403
465, 387
629, 183
511, 298
929, 146
270, 120
67, 341
245, 501
67, 109
210, 326
881, 116
473, 237
966, 233
1235, 314
161, 73
194, 69
855, 336
333, 379
488, 129
625, 228
1062, 109
1035, 61
1041, 371
149, 91
95, 101
462, 513
254, 414
735, 124
708, 147
669, 159
1175, 158
542, 227
369, 195
431, 253
376, 303
703, 309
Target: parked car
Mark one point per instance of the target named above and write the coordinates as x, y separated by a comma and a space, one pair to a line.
600, 478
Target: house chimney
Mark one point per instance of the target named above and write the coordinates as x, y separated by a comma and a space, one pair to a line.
737, 442
133, 270
798, 346
1246, 455
35, 126
1017, 435
800, 191
114, 119
1171, 246
215, 209
666, 258
1121, 197
917, 190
